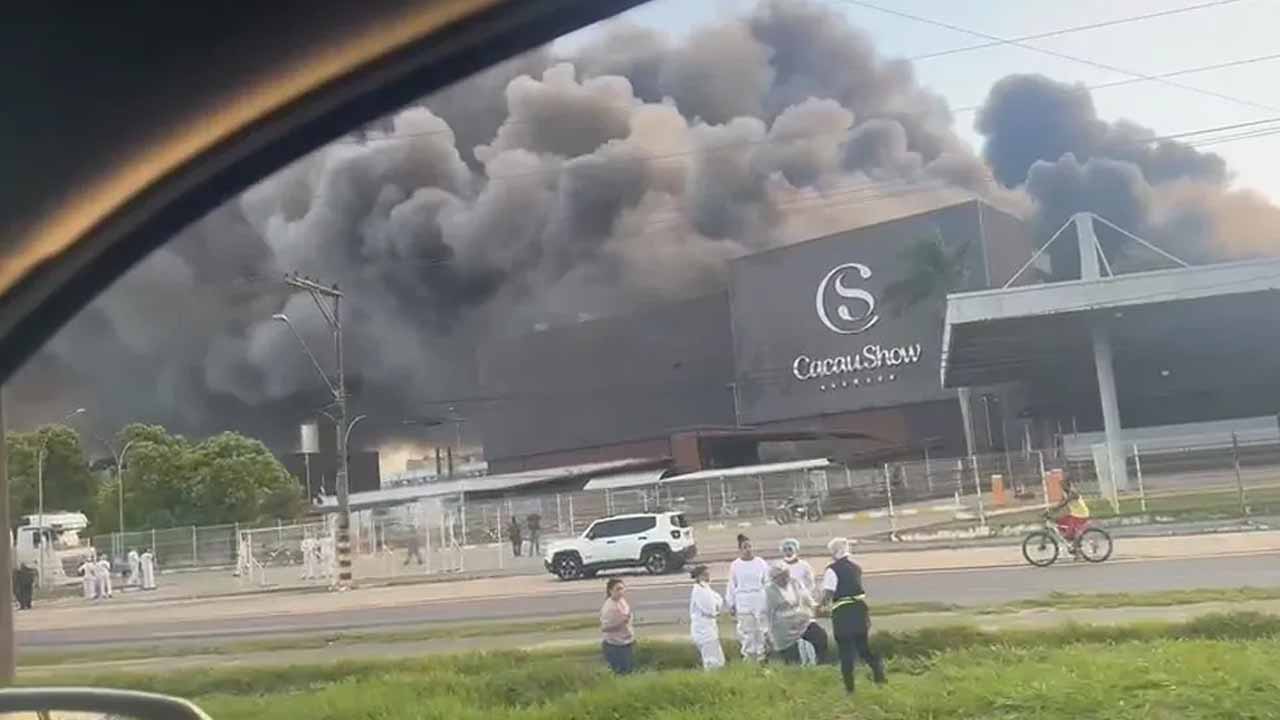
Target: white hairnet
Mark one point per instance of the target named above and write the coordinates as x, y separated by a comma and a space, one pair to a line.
792, 545
839, 547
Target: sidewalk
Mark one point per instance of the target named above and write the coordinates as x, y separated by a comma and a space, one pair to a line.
110, 613
673, 632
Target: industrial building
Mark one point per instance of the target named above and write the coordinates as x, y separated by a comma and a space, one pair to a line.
801, 355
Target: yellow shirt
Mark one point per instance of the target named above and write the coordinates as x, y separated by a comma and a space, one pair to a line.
1077, 507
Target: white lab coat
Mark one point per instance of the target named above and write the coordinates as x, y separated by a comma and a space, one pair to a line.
308, 548
802, 575
104, 577
148, 562
135, 567
704, 605
89, 578
744, 594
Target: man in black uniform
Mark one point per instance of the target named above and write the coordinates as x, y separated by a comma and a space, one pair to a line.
24, 583
850, 619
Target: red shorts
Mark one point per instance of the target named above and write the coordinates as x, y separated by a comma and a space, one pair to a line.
1071, 526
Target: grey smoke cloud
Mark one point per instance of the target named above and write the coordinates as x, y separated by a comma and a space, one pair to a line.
552, 187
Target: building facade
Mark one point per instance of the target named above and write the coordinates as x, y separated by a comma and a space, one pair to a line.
829, 346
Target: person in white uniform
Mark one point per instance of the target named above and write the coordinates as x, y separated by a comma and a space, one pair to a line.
745, 598
800, 570
89, 578
705, 605
308, 548
135, 568
148, 563
104, 576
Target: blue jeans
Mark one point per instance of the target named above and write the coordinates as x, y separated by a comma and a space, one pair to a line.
621, 658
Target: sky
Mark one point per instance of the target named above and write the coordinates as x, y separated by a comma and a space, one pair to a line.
1225, 31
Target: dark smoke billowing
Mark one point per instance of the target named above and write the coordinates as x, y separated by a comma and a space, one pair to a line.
549, 188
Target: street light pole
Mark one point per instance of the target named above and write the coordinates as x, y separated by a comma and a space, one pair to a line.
40, 455
329, 301
120, 481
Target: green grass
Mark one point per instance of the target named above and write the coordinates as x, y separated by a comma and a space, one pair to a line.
1165, 598
1215, 667
310, 642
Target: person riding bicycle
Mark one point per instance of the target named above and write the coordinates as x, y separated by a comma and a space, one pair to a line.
1076, 519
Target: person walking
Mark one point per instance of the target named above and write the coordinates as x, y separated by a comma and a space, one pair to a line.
89, 578
843, 593
534, 524
148, 564
705, 605
135, 568
744, 595
414, 549
616, 628
796, 637
513, 531
104, 577
24, 586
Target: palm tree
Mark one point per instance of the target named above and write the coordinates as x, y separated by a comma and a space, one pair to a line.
932, 272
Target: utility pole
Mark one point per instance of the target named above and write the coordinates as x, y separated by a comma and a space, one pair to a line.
328, 300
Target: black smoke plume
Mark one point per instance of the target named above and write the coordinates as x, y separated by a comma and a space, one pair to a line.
562, 185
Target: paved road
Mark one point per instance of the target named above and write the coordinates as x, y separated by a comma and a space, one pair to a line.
667, 601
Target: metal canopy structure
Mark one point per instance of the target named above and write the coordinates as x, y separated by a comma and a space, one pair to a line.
995, 336
1214, 321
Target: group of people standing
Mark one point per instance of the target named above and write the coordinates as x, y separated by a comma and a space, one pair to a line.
532, 531
95, 574
776, 608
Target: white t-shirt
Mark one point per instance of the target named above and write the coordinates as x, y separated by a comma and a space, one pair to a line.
745, 590
802, 575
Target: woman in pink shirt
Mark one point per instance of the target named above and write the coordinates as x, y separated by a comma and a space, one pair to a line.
615, 626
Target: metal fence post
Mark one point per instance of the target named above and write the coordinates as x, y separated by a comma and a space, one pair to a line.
764, 510
498, 516
559, 515
462, 503
977, 484
1044, 479
710, 513
1137, 466
848, 477
888, 494
195, 554
572, 527
1235, 459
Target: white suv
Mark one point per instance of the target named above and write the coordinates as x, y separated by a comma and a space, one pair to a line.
658, 542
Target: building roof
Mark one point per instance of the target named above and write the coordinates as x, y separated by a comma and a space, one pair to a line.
994, 336
490, 483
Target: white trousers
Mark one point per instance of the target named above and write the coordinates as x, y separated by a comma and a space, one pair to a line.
752, 628
712, 654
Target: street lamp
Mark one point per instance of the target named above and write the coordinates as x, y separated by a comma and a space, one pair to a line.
119, 459
40, 456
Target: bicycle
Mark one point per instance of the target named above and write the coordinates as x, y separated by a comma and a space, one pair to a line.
1042, 547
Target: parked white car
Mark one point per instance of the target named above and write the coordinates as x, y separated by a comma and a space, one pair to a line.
658, 542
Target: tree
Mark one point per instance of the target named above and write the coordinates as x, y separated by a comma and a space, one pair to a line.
168, 481
68, 484
933, 270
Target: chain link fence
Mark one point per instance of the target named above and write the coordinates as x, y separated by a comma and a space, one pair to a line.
459, 533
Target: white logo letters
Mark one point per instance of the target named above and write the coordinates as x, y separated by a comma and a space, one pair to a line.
848, 323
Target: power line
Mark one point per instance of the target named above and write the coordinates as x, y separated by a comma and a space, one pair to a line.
1175, 73
1069, 30
1060, 55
